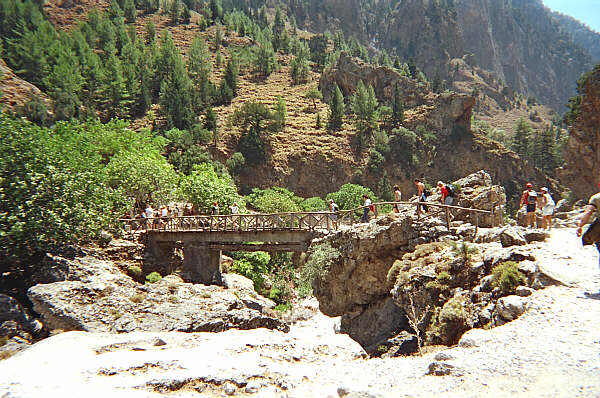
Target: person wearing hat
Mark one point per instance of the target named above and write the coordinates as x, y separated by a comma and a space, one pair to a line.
547, 209
333, 208
592, 209
529, 198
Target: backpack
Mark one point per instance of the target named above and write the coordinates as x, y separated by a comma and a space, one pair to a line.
533, 196
450, 189
426, 192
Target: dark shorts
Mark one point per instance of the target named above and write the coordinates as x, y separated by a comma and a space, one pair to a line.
531, 208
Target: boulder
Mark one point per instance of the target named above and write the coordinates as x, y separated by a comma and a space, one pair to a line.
563, 206
16, 326
511, 236
478, 192
443, 369
511, 307
494, 256
404, 343
524, 291
535, 235
98, 298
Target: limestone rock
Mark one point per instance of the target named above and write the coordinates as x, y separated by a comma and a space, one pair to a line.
563, 206
511, 236
494, 256
475, 338
479, 193
535, 235
403, 344
511, 307
443, 369
102, 299
524, 291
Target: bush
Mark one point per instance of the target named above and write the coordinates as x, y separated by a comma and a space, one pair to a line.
403, 144
322, 257
507, 277
137, 298
274, 200
253, 266
134, 271
314, 204
204, 186
153, 277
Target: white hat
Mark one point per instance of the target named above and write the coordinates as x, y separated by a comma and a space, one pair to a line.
544, 189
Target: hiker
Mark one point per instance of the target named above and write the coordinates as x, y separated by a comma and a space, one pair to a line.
422, 194
333, 208
367, 207
234, 208
547, 208
397, 198
149, 213
447, 192
529, 198
214, 210
591, 235
236, 219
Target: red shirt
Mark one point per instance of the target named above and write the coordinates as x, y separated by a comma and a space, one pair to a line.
444, 191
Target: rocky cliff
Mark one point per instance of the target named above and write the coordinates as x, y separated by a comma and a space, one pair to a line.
581, 172
521, 42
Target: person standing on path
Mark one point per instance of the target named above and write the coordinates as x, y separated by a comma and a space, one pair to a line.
447, 194
215, 209
366, 208
592, 208
333, 208
529, 198
547, 208
397, 198
421, 193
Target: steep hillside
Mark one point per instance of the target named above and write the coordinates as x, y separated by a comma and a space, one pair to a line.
519, 41
582, 153
582, 34
16, 92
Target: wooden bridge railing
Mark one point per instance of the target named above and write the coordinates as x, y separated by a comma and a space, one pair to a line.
301, 221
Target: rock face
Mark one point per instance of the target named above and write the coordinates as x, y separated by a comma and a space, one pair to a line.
97, 297
582, 152
514, 40
477, 191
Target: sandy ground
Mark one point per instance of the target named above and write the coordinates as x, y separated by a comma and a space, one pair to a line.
553, 350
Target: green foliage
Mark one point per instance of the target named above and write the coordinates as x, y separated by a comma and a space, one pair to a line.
53, 188
279, 114
403, 145
543, 150
376, 161
274, 200
253, 265
336, 110
318, 50
134, 271
314, 94
251, 118
364, 105
176, 96
350, 196
204, 186
507, 277
319, 262
314, 204
265, 61
522, 137
463, 251
299, 67
153, 277
199, 67
235, 164
444, 278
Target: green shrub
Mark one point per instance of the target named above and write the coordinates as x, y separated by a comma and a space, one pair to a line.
283, 307
444, 278
253, 266
134, 271
322, 257
173, 299
507, 277
153, 277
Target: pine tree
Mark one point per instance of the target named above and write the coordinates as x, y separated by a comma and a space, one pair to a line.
384, 188
129, 11
175, 11
364, 105
150, 32
279, 114
280, 36
265, 61
64, 85
318, 49
116, 98
92, 73
131, 59
216, 10
199, 68
318, 121
231, 74
165, 60
176, 97
397, 107
520, 142
299, 68
336, 110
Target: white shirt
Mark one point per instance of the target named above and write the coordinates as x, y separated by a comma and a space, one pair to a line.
149, 212
368, 202
234, 209
164, 212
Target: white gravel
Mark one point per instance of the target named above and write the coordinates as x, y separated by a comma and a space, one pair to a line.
553, 350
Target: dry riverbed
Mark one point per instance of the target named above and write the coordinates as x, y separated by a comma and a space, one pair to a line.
553, 350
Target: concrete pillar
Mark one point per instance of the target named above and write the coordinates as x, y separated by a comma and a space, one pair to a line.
202, 265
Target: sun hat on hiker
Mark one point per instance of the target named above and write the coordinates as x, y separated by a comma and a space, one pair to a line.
544, 189
528, 185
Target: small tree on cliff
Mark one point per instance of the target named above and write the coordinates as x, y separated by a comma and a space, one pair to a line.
520, 142
397, 107
336, 110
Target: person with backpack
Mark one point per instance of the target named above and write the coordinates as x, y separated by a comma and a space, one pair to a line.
447, 191
333, 208
547, 208
529, 198
592, 235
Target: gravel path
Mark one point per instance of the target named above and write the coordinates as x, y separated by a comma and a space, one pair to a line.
553, 350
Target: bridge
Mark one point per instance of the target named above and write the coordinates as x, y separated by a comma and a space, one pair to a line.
204, 237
